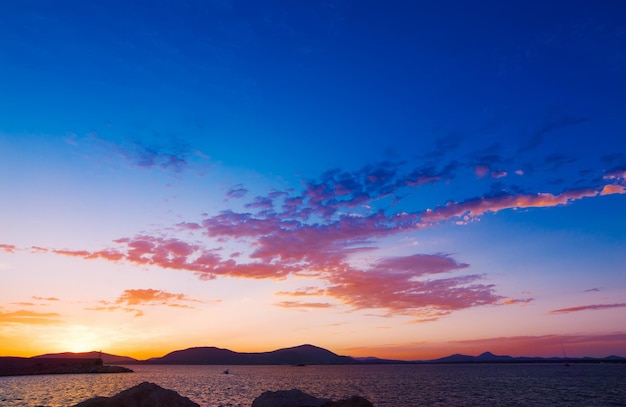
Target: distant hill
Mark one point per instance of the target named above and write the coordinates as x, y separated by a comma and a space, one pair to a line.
106, 357
303, 354
489, 357
484, 357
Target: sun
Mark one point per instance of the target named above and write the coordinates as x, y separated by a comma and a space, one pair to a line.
81, 339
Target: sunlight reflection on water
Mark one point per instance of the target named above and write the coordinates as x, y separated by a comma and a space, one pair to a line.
384, 385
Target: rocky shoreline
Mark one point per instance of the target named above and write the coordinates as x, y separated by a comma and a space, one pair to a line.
44, 366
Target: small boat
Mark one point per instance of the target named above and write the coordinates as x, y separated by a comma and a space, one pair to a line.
564, 356
226, 371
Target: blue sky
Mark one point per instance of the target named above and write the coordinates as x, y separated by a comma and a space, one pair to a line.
447, 150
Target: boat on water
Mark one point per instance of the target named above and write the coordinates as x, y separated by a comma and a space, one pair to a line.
564, 356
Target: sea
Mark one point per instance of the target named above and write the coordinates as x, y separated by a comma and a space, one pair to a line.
384, 385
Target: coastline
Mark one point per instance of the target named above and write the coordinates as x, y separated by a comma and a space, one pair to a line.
16, 366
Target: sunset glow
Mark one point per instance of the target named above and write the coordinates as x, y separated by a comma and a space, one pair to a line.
405, 180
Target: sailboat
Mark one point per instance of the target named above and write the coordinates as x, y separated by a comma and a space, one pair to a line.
564, 356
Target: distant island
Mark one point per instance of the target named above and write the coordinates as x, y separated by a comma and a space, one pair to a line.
303, 355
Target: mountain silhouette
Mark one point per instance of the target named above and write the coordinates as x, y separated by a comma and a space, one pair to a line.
300, 355
106, 357
303, 354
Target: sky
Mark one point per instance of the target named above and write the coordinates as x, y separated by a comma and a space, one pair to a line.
401, 179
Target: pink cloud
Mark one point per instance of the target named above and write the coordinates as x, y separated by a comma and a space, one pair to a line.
9, 248
261, 202
587, 307
618, 174
394, 285
417, 264
189, 226
481, 170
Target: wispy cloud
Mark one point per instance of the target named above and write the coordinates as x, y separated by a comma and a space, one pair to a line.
9, 248
555, 121
303, 292
479, 206
45, 298
513, 301
153, 297
130, 299
168, 153
303, 305
29, 317
587, 308
237, 191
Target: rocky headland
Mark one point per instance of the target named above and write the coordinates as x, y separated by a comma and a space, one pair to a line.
14, 366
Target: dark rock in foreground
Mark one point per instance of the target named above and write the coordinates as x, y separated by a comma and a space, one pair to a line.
297, 398
143, 395
151, 395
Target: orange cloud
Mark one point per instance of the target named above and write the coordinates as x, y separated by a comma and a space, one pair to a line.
29, 317
480, 206
131, 298
45, 298
299, 304
110, 308
511, 301
587, 307
304, 292
151, 297
611, 189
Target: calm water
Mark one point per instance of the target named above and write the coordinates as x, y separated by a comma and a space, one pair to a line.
395, 385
